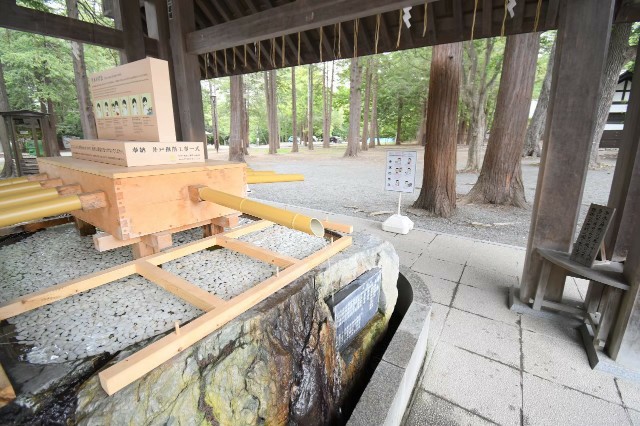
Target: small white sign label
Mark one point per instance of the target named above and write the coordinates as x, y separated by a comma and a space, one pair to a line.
400, 171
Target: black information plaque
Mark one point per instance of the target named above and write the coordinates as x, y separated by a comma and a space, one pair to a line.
354, 306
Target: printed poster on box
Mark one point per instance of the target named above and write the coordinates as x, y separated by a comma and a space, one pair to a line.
400, 171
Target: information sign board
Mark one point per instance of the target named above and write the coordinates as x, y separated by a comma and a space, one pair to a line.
400, 171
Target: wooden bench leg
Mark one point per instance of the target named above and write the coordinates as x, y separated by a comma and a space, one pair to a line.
143, 249
542, 285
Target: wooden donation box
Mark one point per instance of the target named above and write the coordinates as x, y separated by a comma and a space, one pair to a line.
137, 162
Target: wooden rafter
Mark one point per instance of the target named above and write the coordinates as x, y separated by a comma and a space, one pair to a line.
287, 19
217, 311
35, 21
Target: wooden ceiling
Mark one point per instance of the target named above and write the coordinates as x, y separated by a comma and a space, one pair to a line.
447, 21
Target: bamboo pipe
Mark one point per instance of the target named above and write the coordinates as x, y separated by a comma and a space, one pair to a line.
28, 186
22, 179
39, 210
23, 198
273, 178
289, 219
260, 172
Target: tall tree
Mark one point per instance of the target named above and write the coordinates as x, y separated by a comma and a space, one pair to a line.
539, 119
294, 112
326, 108
272, 110
477, 82
438, 193
310, 108
8, 168
399, 121
618, 55
500, 180
237, 127
367, 98
87, 118
373, 130
355, 105
245, 127
214, 117
420, 135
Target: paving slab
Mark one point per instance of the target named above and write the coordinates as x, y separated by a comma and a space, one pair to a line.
438, 268
487, 278
451, 249
441, 290
635, 417
567, 330
566, 363
417, 235
506, 259
493, 339
406, 258
630, 393
438, 315
583, 286
431, 410
548, 403
413, 245
477, 384
571, 292
486, 303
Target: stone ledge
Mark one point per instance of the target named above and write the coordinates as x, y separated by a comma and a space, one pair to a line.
389, 391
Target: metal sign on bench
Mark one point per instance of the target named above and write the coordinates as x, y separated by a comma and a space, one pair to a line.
592, 233
354, 306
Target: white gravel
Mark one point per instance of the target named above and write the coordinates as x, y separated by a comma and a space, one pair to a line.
114, 316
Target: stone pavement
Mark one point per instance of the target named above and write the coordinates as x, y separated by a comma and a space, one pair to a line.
488, 365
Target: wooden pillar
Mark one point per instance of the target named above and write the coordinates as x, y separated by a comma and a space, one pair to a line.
623, 196
158, 28
129, 19
583, 37
186, 69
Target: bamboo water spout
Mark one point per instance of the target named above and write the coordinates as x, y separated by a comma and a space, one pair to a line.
23, 179
282, 217
28, 186
273, 177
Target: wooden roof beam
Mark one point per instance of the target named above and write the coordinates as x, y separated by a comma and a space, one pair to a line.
34, 21
288, 19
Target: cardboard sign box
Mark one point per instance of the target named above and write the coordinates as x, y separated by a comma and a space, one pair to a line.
132, 102
131, 153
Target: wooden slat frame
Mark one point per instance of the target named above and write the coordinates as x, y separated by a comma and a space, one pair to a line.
218, 311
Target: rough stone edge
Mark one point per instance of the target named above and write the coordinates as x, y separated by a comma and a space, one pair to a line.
394, 404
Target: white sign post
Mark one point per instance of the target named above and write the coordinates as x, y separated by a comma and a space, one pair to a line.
400, 176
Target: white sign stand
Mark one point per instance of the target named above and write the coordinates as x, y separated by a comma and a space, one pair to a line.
401, 169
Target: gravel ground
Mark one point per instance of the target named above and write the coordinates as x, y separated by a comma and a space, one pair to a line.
114, 316
354, 186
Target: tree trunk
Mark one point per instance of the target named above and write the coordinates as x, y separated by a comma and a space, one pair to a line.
462, 131
330, 112
214, 117
326, 109
236, 150
294, 112
355, 105
272, 110
399, 122
8, 170
438, 193
245, 128
373, 133
54, 146
367, 98
616, 58
310, 108
87, 119
539, 119
500, 180
420, 140
477, 132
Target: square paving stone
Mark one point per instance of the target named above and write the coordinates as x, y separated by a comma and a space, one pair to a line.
566, 363
449, 248
418, 235
438, 315
477, 384
487, 278
635, 417
431, 410
508, 260
438, 268
566, 330
571, 292
486, 303
630, 393
400, 242
441, 290
547, 403
493, 339
407, 258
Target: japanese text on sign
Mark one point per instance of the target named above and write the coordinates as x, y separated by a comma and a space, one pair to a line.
400, 171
